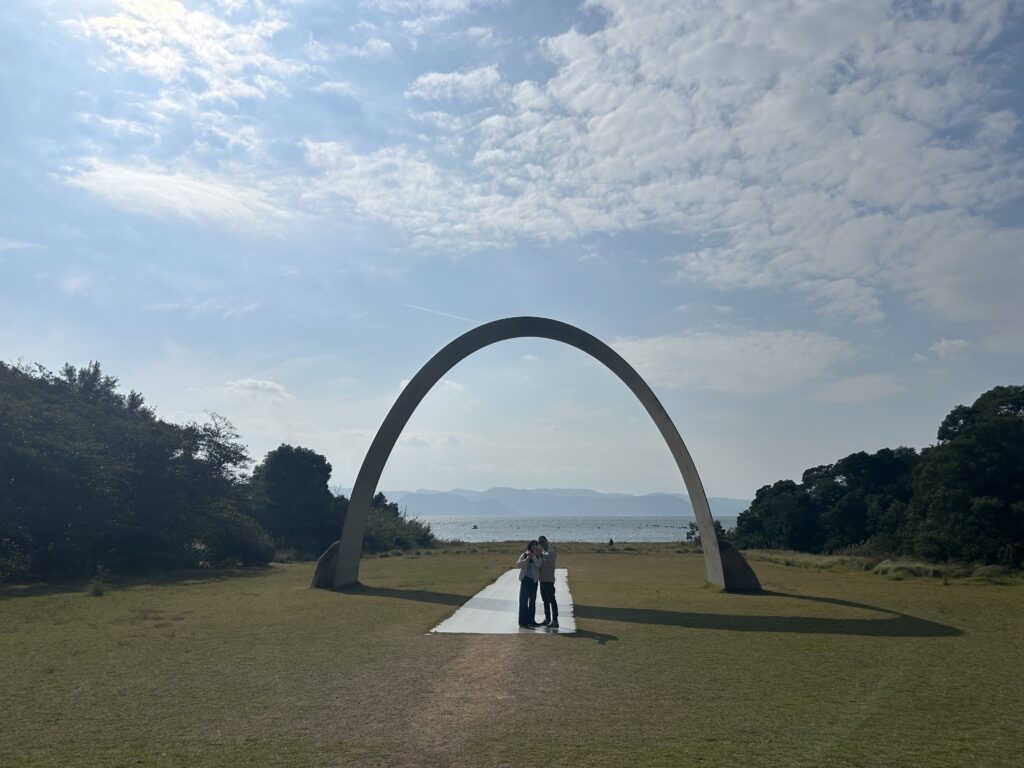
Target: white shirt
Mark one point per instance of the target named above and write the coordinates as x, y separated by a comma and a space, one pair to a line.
527, 564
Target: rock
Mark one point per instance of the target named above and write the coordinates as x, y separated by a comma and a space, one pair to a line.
326, 566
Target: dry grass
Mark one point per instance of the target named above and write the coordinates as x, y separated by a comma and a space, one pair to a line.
253, 668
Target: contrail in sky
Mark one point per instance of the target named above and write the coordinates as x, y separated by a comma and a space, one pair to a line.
442, 314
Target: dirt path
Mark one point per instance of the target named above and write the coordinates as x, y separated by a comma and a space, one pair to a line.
475, 688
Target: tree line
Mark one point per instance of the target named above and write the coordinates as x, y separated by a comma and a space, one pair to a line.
91, 478
960, 499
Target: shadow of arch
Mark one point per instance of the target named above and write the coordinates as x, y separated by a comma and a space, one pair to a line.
724, 565
889, 624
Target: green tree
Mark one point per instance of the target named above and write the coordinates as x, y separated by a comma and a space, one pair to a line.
91, 478
781, 516
968, 500
292, 500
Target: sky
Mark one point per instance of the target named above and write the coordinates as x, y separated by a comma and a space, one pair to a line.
800, 221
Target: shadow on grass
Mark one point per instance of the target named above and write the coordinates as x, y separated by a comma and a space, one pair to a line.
419, 595
891, 624
894, 624
169, 578
444, 598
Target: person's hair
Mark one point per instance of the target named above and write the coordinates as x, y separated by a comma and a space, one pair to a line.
542, 539
532, 544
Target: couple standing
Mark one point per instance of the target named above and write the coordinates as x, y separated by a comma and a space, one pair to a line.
537, 566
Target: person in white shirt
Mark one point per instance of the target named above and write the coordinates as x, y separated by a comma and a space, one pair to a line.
548, 555
529, 572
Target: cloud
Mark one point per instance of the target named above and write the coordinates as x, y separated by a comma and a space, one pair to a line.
262, 388
336, 87
847, 153
861, 389
530, 359
76, 284
741, 362
421, 16
947, 348
188, 193
16, 245
205, 305
474, 85
414, 442
444, 385
205, 67
374, 48
169, 42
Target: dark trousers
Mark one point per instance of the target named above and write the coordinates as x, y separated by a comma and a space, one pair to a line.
527, 601
547, 594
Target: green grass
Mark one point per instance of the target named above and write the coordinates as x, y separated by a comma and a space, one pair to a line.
252, 668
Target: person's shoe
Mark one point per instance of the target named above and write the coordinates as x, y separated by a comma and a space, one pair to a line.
553, 624
533, 625
545, 622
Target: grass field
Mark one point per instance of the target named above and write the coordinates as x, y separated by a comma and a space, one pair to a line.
252, 668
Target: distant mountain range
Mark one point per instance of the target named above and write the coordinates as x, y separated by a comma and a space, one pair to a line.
552, 502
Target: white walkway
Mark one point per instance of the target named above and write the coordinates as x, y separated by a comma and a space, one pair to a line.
495, 609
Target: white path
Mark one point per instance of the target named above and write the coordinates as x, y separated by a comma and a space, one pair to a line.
495, 609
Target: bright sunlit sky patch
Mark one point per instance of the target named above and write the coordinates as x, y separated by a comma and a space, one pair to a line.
801, 221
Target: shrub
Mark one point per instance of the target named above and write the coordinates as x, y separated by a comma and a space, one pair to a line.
897, 569
232, 538
388, 529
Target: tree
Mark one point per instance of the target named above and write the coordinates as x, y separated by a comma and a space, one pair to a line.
968, 500
292, 500
693, 532
781, 516
91, 478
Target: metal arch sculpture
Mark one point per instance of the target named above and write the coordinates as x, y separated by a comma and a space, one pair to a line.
725, 566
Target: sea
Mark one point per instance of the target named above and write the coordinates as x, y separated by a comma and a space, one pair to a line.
585, 529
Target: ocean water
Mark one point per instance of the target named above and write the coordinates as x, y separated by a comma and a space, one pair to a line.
588, 529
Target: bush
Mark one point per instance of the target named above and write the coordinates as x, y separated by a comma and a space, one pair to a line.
896, 569
388, 529
232, 538
97, 588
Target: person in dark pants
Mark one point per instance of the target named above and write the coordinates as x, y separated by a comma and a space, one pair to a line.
529, 571
547, 582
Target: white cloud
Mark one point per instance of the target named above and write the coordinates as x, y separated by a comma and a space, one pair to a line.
947, 348
421, 16
848, 152
336, 87
258, 387
474, 85
16, 245
205, 63
171, 43
76, 284
741, 362
444, 385
412, 441
374, 48
861, 389
204, 305
189, 193
530, 359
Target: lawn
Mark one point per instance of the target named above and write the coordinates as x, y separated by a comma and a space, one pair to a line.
252, 668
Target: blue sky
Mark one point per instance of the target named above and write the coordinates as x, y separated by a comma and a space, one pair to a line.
801, 221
